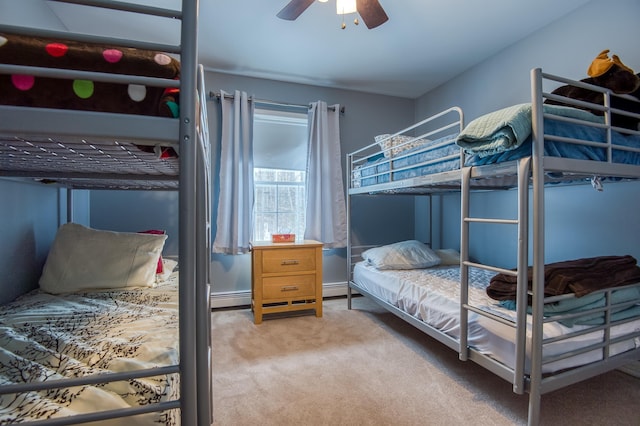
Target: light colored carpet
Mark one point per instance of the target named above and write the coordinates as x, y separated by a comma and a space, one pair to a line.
367, 367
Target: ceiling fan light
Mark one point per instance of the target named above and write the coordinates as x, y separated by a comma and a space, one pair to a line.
345, 6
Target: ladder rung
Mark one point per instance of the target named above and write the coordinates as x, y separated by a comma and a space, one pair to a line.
483, 220
491, 268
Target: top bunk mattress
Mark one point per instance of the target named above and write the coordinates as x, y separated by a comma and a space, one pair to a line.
425, 158
496, 138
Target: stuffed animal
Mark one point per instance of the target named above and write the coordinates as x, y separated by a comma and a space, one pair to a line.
612, 74
627, 105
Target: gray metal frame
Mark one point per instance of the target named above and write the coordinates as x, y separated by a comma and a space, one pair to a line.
190, 175
530, 173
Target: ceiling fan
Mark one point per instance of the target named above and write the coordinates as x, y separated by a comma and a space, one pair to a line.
370, 11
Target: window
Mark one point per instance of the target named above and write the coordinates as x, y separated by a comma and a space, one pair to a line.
279, 173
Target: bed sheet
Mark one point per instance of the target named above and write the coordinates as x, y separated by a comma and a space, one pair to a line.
432, 296
46, 337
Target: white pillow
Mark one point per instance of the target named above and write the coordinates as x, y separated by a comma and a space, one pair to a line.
83, 259
169, 265
448, 256
409, 254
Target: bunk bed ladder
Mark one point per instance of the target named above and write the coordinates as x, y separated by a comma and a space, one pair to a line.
523, 170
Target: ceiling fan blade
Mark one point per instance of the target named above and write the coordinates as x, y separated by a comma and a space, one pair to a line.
371, 13
294, 9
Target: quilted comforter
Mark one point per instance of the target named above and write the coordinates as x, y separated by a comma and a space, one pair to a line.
46, 337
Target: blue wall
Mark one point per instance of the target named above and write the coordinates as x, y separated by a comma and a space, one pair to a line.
31, 213
580, 221
29, 217
366, 116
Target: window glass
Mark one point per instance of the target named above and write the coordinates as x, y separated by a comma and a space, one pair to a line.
279, 155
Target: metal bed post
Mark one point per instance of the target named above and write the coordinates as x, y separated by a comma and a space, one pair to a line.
203, 272
348, 211
524, 171
188, 216
69, 205
465, 187
538, 246
431, 225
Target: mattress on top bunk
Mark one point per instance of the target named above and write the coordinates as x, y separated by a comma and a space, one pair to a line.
498, 137
47, 92
428, 157
505, 135
46, 337
432, 295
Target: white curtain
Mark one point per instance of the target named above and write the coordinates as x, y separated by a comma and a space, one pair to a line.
235, 202
326, 212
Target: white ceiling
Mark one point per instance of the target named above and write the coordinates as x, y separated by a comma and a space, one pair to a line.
424, 43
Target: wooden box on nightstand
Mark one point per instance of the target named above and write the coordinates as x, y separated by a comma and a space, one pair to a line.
286, 277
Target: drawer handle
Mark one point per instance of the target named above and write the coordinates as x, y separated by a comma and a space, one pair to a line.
289, 288
289, 262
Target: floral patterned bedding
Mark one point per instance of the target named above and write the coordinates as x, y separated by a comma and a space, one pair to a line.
46, 337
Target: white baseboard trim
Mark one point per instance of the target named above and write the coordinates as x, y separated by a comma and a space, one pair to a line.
243, 298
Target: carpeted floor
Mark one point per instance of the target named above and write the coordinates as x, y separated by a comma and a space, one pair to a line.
367, 367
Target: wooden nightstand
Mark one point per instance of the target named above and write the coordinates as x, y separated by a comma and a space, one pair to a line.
286, 277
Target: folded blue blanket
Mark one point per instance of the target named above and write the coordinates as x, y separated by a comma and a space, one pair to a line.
506, 129
585, 303
497, 131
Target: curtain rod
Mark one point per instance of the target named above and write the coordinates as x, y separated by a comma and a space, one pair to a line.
213, 95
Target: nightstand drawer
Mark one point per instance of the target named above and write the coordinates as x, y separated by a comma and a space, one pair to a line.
288, 286
288, 260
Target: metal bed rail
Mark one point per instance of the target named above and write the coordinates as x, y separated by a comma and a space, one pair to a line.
447, 122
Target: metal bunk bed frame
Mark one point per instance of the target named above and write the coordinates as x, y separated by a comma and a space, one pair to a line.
529, 173
193, 183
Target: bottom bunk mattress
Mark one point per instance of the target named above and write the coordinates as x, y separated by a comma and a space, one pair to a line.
49, 337
432, 295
